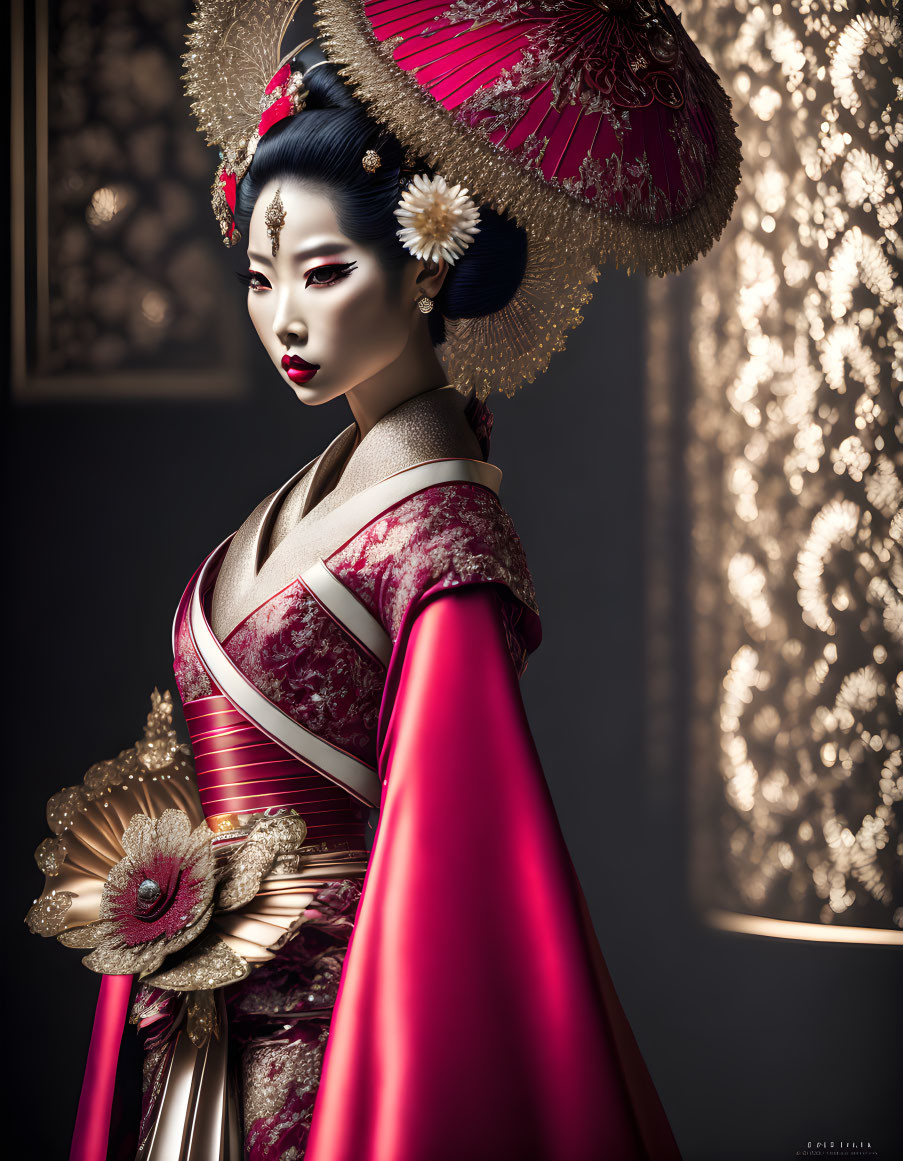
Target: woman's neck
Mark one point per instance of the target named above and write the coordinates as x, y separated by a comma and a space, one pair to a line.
415, 371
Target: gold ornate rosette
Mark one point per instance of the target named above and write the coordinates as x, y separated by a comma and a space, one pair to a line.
134, 873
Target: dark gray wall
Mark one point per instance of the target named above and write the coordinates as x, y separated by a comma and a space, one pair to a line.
756, 1046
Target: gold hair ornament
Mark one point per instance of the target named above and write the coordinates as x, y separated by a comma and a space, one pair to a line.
233, 53
239, 86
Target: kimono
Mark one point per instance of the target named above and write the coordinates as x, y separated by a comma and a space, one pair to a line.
427, 985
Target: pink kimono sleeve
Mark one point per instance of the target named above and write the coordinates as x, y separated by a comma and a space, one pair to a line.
475, 1017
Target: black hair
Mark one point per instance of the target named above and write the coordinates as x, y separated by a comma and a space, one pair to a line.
324, 145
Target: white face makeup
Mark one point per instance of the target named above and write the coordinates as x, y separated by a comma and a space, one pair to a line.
325, 308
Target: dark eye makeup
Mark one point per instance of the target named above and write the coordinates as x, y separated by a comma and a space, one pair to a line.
330, 274
327, 275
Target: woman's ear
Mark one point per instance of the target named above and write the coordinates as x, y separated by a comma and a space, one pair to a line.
431, 277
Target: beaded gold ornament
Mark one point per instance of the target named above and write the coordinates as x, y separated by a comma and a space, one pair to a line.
132, 820
274, 219
371, 161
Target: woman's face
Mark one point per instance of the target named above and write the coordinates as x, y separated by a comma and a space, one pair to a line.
328, 312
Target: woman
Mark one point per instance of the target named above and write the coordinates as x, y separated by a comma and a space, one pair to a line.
363, 938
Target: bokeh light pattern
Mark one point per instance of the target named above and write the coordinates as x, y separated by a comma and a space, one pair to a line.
795, 467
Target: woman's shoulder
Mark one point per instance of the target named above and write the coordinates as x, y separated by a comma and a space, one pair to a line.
441, 537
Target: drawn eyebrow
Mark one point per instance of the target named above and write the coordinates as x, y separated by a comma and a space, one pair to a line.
323, 246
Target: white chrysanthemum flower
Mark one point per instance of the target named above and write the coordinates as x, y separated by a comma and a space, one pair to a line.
438, 220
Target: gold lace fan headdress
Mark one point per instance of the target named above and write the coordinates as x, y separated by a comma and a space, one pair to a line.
596, 124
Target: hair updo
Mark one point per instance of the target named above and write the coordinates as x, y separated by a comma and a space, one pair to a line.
324, 145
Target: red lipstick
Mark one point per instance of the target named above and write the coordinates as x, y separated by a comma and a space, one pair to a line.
298, 369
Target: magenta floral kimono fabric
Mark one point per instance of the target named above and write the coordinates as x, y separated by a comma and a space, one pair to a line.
449, 1001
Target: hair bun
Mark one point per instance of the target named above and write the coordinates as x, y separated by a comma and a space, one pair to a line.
326, 89
486, 277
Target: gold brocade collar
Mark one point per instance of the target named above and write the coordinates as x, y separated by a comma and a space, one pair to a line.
275, 543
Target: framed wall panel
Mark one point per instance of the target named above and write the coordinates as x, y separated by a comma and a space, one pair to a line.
118, 285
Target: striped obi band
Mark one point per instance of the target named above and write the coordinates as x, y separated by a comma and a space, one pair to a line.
240, 770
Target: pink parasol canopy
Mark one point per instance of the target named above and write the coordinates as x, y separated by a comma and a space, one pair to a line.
538, 105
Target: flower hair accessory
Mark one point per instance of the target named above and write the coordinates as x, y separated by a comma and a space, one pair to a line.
437, 220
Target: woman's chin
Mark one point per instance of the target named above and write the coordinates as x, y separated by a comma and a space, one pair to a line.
313, 392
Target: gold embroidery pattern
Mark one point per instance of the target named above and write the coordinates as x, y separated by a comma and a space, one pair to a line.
153, 1073
298, 657
451, 534
280, 1079
191, 676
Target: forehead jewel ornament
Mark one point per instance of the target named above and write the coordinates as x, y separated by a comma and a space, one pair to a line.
240, 87
274, 220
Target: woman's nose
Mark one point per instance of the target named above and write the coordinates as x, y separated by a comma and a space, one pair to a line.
288, 326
